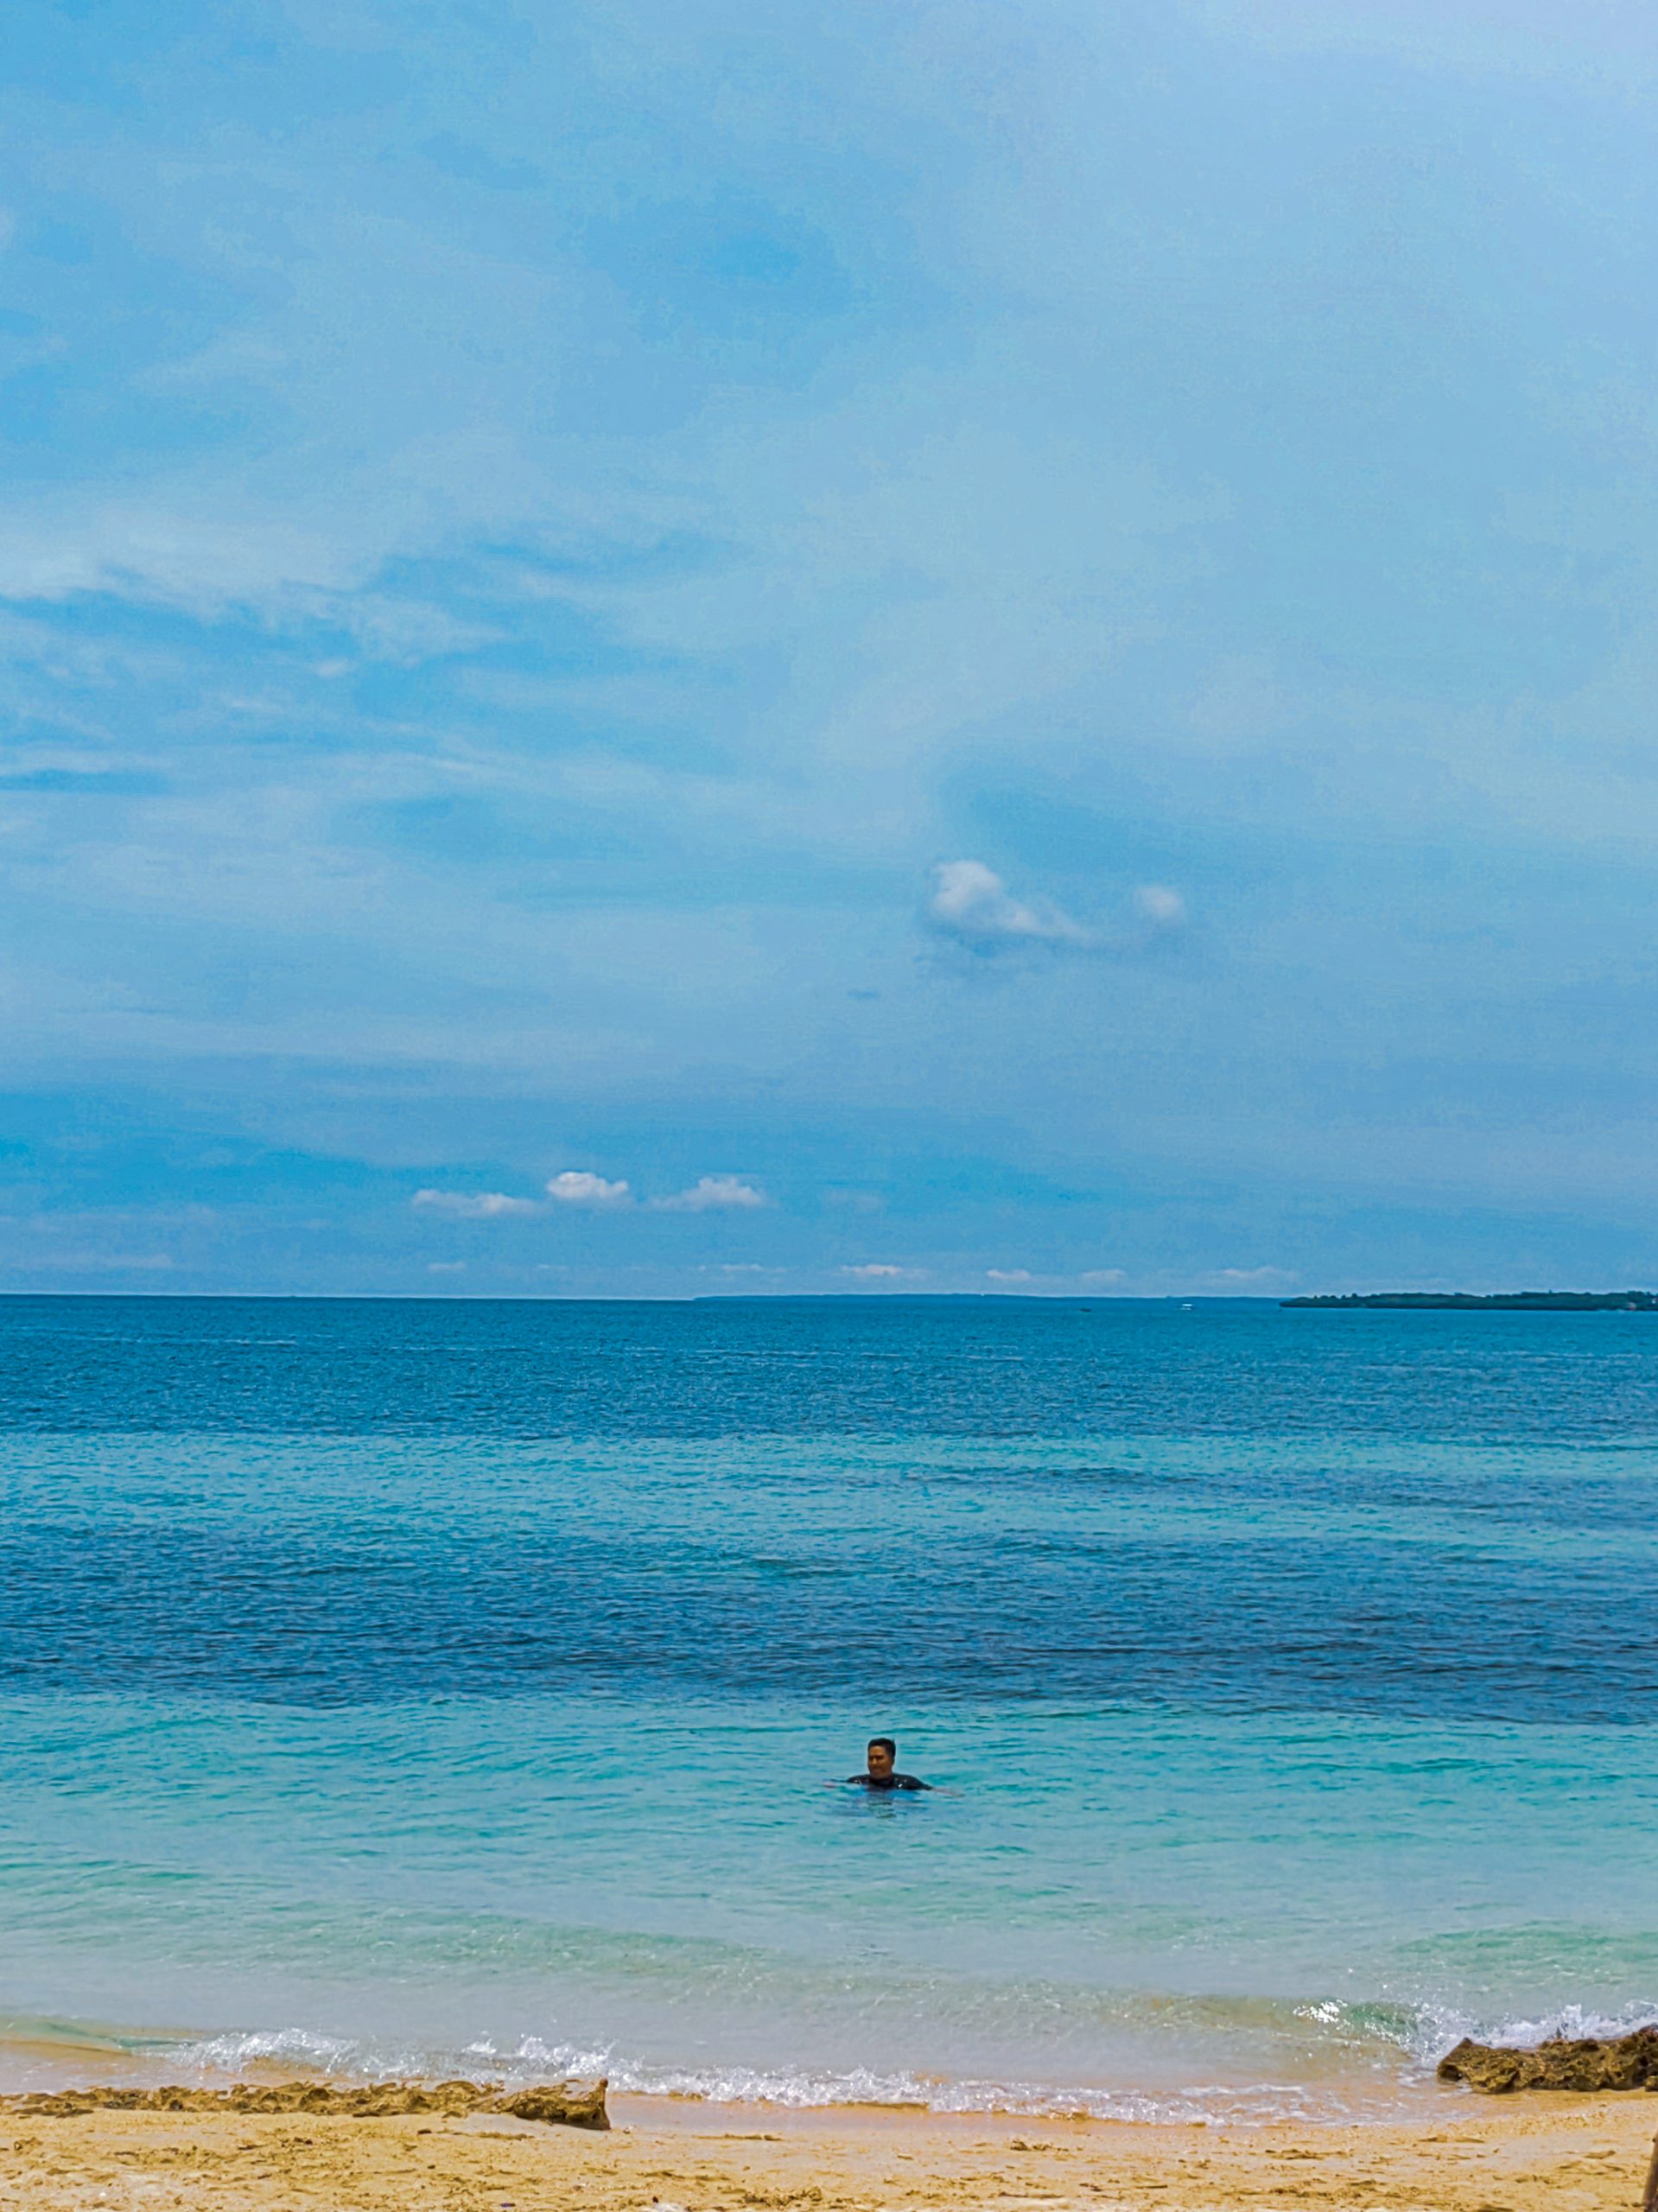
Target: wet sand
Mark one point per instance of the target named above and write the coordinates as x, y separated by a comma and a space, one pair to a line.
1466, 2154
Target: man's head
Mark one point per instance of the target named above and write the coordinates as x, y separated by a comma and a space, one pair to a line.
882, 1756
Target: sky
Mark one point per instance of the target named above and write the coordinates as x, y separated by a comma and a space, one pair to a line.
692, 647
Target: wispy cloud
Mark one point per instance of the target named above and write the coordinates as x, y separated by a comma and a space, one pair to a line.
90, 783
575, 1186
115, 1264
714, 1194
1163, 909
1008, 1275
472, 1205
881, 1271
801, 596
1249, 1280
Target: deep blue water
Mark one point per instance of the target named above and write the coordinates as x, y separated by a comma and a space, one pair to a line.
893, 1367
384, 1680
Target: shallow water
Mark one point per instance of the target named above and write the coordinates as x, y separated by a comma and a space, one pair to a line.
462, 1686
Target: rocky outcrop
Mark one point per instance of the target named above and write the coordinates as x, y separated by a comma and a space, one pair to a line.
565, 2104
1618, 2062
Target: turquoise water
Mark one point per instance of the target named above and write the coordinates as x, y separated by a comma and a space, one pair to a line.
450, 1687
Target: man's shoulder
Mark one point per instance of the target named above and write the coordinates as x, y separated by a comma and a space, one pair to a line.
910, 1781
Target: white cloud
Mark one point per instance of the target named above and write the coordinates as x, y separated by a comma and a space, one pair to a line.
1163, 908
1249, 1279
577, 1187
1008, 1275
472, 1205
971, 903
880, 1271
714, 1194
1104, 1275
445, 1267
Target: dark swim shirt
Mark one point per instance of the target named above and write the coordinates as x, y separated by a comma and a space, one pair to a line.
890, 1781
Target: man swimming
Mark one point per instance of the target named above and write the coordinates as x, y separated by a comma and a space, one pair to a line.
882, 1756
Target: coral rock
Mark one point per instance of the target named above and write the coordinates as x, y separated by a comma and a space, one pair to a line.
1618, 2062
566, 2104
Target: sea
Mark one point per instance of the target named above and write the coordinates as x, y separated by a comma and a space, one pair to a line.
464, 1688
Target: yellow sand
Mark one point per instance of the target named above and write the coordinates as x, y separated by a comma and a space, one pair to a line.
1537, 2154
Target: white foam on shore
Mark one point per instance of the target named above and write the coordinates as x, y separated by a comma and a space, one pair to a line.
1419, 2035
797, 2089
1441, 2027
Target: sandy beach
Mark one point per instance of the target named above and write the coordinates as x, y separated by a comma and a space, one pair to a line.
1464, 2155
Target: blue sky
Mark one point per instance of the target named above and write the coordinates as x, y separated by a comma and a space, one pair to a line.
910, 645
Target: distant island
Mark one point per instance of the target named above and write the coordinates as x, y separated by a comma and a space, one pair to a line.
1504, 1301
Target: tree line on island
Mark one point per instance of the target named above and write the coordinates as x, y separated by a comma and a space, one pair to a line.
1504, 1301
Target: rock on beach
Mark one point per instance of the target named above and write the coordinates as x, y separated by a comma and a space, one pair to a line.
1584, 2064
566, 2104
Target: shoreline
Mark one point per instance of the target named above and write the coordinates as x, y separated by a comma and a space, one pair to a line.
1336, 2097
1469, 2154
673, 2114
41, 2055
